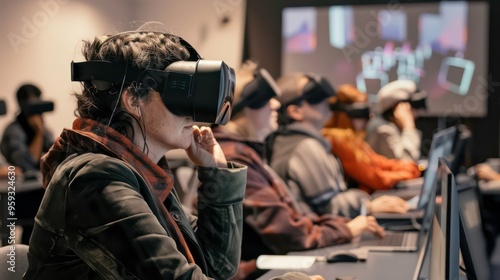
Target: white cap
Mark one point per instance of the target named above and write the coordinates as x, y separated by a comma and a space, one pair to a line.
393, 93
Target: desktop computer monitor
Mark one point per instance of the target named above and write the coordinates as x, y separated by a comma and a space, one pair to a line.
441, 253
472, 238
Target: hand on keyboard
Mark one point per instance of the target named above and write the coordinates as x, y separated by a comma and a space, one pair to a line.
361, 224
387, 204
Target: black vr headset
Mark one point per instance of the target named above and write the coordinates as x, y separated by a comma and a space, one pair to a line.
418, 99
3, 108
315, 91
36, 107
202, 89
258, 92
357, 110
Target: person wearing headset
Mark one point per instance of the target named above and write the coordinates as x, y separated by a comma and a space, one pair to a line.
392, 133
110, 210
274, 220
4, 167
302, 157
26, 139
363, 167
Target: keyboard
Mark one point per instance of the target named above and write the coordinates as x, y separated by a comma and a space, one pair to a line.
392, 239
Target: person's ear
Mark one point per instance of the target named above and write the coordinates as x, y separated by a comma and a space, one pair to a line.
130, 103
295, 112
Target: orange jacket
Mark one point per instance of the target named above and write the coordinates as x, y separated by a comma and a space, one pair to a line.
370, 170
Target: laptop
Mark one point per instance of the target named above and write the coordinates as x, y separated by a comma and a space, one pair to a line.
441, 146
405, 241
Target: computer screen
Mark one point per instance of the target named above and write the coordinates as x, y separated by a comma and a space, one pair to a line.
441, 146
442, 46
439, 256
445, 238
472, 238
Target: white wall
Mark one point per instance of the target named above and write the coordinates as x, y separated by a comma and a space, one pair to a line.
40, 38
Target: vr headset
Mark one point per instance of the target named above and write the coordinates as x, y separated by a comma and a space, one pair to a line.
315, 91
258, 92
3, 108
418, 99
36, 107
357, 110
202, 89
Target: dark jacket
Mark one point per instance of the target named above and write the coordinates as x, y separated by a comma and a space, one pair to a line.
302, 157
102, 216
15, 143
274, 222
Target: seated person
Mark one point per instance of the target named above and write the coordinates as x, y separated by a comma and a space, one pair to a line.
4, 166
345, 131
109, 210
302, 157
392, 133
274, 221
26, 139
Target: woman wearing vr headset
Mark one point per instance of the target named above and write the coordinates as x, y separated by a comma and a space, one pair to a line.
110, 211
274, 221
302, 156
345, 131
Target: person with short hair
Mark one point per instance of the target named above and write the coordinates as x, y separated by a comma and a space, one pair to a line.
26, 139
110, 210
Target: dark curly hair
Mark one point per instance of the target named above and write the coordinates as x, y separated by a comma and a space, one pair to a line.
152, 50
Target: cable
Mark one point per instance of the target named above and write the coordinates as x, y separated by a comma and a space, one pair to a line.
463, 269
119, 95
414, 223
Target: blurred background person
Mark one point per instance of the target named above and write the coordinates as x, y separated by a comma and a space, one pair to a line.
274, 221
345, 130
4, 166
27, 139
302, 157
392, 132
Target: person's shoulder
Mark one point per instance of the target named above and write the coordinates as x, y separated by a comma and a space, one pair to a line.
13, 126
92, 166
310, 144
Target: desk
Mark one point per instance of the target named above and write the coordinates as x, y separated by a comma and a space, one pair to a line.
28, 195
378, 265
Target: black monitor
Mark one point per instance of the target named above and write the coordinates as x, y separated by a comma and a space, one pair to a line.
472, 239
440, 258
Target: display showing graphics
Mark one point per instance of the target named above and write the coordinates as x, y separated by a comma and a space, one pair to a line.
441, 46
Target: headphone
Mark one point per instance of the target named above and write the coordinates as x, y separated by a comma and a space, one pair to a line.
202, 89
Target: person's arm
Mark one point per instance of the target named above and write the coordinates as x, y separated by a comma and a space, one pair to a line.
371, 170
15, 149
108, 223
36, 146
220, 220
281, 227
485, 172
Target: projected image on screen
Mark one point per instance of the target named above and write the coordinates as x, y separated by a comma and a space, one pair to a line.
441, 46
